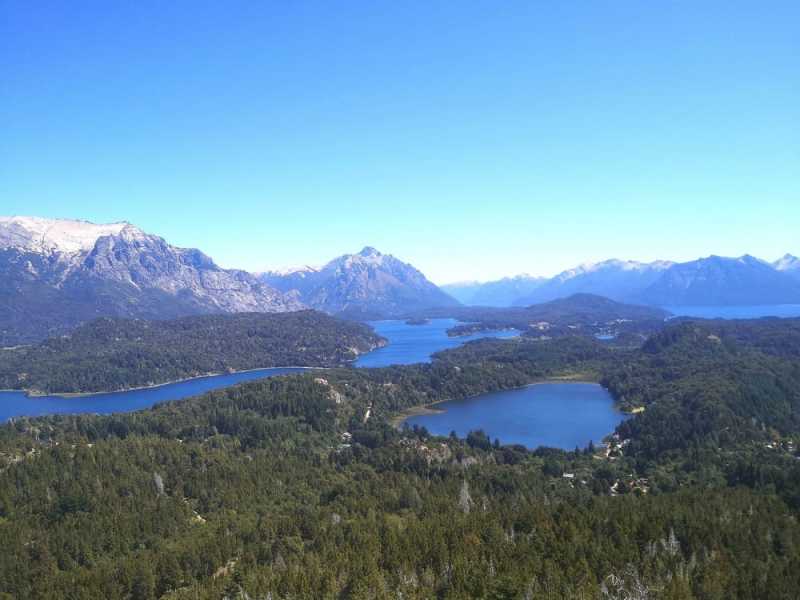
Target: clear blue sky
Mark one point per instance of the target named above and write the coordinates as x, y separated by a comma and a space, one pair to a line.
473, 139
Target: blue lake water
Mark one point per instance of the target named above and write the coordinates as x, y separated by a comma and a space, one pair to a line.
409, 344
736, 312
558, 415
15, 404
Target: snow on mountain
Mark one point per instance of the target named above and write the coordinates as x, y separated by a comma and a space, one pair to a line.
615, 279
58, 274
65, 236
788, 264
368, 257
613, 264
301, 270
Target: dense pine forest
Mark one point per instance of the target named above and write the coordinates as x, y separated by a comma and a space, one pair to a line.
111, 354
299, 486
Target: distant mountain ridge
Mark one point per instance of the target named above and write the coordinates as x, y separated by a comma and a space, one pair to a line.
503, 292
60, 273
720, 281
711, 281
615, 279
368, 284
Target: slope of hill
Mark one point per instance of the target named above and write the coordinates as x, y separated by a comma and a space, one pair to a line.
60, 273
364, 285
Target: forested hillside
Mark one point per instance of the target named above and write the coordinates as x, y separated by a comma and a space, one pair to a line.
110, 354
256, 491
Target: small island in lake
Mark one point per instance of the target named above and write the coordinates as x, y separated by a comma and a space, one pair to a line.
418, 321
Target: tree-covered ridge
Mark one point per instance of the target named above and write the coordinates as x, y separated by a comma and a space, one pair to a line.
256, 491
583, 314
109, 354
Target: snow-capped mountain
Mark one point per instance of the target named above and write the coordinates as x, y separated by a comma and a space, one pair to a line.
788, 264
56, 236
367, 284
59, 273
616, 279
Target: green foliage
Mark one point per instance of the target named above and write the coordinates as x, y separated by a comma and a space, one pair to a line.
111, 354
255, 491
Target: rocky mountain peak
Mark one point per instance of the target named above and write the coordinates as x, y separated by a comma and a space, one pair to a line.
787, 262
366, 283
369, 252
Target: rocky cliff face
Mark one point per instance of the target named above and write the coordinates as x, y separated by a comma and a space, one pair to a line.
58, 273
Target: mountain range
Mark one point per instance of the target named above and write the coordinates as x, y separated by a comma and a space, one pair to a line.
57, 274
503, 292
711, 281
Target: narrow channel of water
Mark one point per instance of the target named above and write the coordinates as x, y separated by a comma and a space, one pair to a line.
15, 404
409, 344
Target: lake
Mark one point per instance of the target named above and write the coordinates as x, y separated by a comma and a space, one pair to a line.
559, 415
409, 344
736, 312
15, 404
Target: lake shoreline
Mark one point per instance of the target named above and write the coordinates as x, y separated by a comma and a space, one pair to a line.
397, 420
546, 412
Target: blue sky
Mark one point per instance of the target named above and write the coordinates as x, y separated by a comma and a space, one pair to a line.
473, 139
